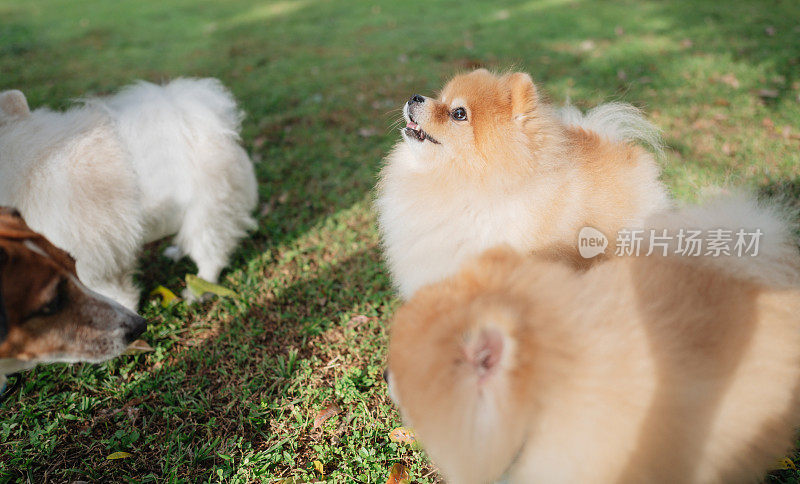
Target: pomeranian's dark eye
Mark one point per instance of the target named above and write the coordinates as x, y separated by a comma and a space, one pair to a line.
459, 114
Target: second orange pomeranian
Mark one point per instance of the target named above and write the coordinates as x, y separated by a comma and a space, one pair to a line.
490, 162
656, 369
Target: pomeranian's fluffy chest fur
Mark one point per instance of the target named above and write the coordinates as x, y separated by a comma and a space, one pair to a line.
430, 223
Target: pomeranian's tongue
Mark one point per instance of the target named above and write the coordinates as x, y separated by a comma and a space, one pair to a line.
412, 125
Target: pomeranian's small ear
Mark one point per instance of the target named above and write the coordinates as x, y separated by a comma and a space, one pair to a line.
523, 95
484, 349
13, 103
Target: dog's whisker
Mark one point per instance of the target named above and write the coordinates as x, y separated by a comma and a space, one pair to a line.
395, 125
393, 111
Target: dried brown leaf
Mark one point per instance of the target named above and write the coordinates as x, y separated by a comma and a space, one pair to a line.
359, 319
768, 93
402, 435
726, 149
259, 141
730, 80
138, 347
398, 474
330, 411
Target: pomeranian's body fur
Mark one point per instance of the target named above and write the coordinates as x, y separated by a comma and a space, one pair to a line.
515, 172
656, 369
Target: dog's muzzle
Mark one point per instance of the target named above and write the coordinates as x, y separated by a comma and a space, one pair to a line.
412, 129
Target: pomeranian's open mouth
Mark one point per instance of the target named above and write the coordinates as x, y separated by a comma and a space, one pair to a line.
415, 132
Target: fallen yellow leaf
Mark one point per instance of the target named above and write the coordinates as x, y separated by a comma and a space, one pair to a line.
119, 455
167, 297
785, 463
200, 286
319, 468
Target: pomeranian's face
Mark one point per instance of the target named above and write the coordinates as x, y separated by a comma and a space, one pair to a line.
476, 117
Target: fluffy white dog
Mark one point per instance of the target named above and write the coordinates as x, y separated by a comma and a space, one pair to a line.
105, 177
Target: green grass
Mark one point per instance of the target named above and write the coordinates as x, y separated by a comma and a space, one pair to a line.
231, 391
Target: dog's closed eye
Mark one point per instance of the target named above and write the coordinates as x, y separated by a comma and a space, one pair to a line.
54, 297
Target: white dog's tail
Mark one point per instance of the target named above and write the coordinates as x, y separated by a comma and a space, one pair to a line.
203, 103
768, 249
620, 122
209, 101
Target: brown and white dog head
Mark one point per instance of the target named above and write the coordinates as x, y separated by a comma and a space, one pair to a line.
46, 313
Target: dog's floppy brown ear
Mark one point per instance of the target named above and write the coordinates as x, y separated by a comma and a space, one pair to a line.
13, 103
10, 211
523, 94
3, 314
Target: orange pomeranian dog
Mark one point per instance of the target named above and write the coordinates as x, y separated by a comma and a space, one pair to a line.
656, 369
490, 163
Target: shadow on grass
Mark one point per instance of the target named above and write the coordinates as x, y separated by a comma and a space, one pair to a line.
222, 391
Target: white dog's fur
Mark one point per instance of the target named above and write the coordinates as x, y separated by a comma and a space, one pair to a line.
104, 178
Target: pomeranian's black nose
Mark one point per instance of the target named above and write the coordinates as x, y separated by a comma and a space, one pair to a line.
386, 375
416, 98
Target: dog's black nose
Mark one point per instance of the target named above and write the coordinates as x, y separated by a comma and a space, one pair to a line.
416, 98
135, 327
386, 375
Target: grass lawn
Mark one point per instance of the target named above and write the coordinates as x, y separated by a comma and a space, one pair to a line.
233, 387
